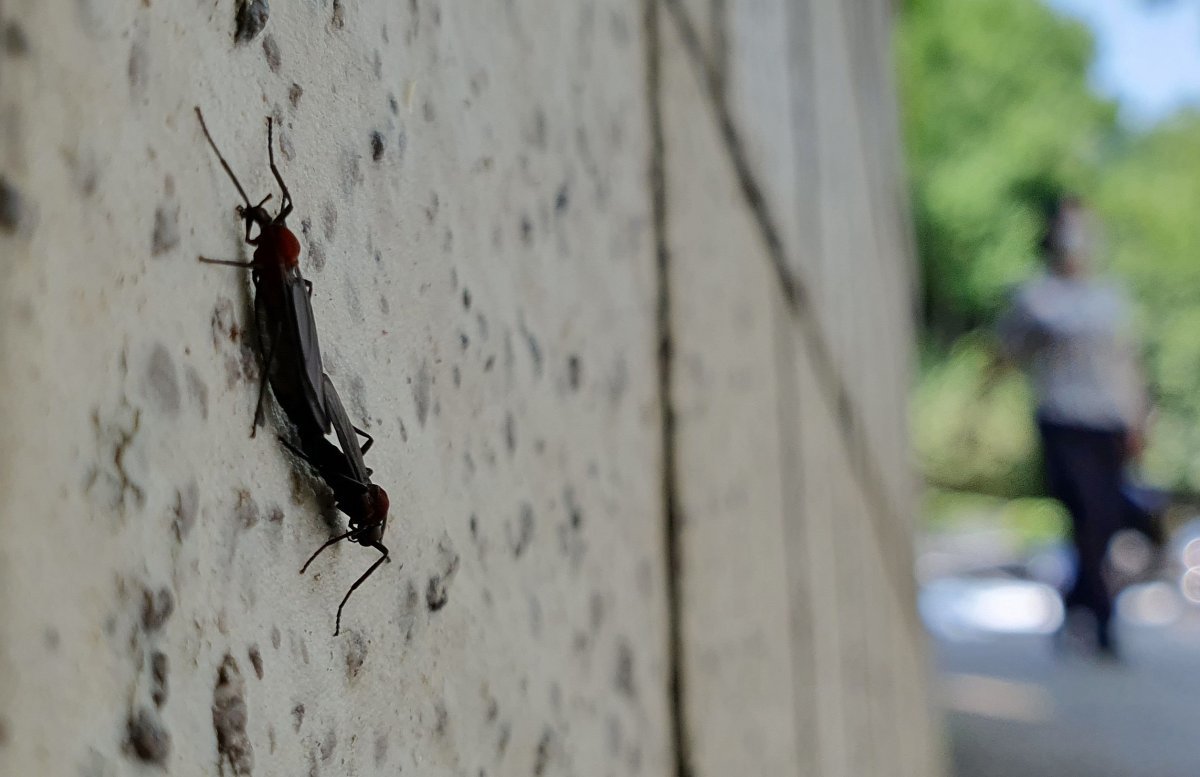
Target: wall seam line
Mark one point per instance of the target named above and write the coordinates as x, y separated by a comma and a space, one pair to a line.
665, 362
797, 296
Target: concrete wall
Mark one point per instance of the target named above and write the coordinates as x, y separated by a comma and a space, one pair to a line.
789, 278
620, 288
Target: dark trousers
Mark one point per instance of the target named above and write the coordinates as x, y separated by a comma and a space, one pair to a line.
1084, 470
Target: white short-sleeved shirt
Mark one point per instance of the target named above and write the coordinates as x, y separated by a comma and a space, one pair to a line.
1074, 337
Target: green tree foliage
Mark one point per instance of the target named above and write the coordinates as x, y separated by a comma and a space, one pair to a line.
974, 430
1149, 198
998, 116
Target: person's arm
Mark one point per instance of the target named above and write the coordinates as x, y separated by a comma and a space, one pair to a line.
1016, 332
1141, 406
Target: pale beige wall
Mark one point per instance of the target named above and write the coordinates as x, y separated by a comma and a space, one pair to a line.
505, 209
789, 276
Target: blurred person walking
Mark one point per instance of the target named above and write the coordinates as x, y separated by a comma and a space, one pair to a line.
1071, 330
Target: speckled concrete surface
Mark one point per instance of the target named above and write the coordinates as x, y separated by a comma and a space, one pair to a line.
505, 211
470, 195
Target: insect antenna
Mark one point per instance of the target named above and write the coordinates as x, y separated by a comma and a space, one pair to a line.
285, 204
224, 164
383, 549
330, 541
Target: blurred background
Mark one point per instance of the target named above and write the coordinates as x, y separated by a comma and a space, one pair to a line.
1005, 103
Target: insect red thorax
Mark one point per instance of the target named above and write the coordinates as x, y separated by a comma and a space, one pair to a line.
278, 244
377, 503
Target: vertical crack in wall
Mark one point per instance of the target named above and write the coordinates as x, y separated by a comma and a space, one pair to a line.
792, 485
670, 495
794, 292
887, 525
717, 14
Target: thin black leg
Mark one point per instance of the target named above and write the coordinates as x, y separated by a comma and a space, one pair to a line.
332, 541
381, 548
370, 440
227, 263
298, 453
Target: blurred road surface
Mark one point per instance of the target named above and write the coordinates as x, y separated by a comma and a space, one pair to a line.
1016, 708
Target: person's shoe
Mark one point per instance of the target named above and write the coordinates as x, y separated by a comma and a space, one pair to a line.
1074, 635
1106, 643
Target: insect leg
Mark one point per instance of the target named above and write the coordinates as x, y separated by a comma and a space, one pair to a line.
367, 445
227, 263
330, 541
299, 453
381, 548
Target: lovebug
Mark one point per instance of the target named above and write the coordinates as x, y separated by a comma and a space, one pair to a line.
346, 473
282, 302
293, 366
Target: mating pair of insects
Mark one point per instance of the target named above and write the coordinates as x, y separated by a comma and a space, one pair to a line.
287, 332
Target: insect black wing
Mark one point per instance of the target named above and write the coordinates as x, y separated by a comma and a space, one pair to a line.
309, 369
262, 322
346, 435
334, 468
